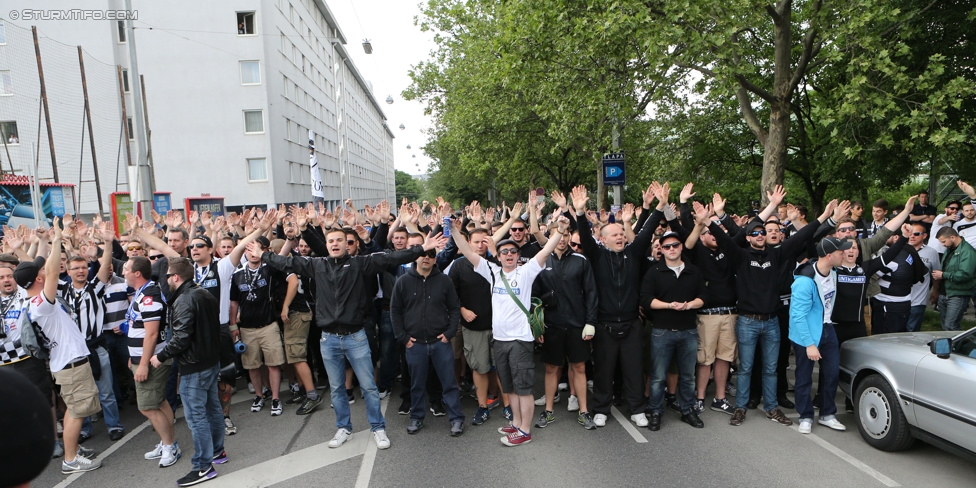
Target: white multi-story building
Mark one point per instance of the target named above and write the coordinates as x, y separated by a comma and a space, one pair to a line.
231, 90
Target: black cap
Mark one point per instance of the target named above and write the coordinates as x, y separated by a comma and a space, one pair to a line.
29, 421
669, 235
26, 272
206, 240
753, 224
505, 242
831, 244
263, 242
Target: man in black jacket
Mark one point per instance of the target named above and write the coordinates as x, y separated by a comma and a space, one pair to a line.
425, 311
341, 304
194, 315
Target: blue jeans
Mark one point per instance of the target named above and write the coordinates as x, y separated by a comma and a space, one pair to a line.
750, 334
829, 374
682, 346
951, 310
915, 317
389, 357
441, 356
201, 406
336, 350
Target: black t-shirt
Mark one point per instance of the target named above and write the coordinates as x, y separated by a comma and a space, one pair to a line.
528, 251
920, 209
252, 290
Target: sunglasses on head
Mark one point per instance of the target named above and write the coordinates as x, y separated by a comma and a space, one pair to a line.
198, 246
757, 233
671, 245
508, 250
153, 258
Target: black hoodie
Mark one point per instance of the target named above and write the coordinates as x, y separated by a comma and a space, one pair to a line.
424, 307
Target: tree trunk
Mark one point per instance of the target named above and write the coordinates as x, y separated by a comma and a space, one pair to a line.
601, 191
774, 154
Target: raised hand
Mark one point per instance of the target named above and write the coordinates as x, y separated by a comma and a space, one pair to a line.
131, 222
843, 210
490, 215
435, 241
791, 212
361, 232
194, 216
268, 220
580, 198
906, 230
558, 198
517, 209
911, 202
233, 219
718, 204
966, 188
777, 195
627, 212
301, 218
648, 196
702, 213
686, 192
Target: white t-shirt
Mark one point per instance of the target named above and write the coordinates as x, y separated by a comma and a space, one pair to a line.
508, 322
936, 227
920, 291
58, 331
967, 230
827, 287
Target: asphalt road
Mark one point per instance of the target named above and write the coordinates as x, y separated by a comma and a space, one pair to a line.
291, 451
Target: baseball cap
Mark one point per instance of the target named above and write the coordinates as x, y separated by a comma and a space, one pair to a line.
670, 235
263, 242
26, 272
754, 224
506, 242
831, 244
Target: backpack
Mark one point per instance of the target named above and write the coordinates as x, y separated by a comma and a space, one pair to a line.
28, 337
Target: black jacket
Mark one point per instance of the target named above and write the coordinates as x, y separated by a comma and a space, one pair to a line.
424, 307
617, 274
569, 279
474, 293
341, 294
661, 283
194, 315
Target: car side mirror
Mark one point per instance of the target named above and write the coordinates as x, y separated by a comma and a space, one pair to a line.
941, 347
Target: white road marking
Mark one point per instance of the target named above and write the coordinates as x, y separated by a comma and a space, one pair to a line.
366, 468
627, 425
104, 454
295, 464
853, 461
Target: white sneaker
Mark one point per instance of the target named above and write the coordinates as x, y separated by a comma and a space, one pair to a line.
806, 426
562, 386
155, 453
171, 454
832, 422
600, 420
572, 404
639, 419
541, 401
382, 441
340, 438
589, 383
80, 465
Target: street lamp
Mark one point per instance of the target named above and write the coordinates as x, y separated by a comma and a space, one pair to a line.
402, 127
389, 99
367, 46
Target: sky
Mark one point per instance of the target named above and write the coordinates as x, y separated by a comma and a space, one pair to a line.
397, 46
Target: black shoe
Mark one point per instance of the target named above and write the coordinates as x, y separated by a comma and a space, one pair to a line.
197, 477
84, 436
691, 418
437, 408
404, 408
785, 402
754, 403
296, 398
848, 406
116, 434
672, 402
654, 423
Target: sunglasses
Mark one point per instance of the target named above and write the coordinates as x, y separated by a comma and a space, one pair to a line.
507, 251
134, 248
517, 229
673, 245
197, 246
430, 254
952, 208
757, 233
916, 234
350, 242
847, 229
153, 258
574, 244
169, 275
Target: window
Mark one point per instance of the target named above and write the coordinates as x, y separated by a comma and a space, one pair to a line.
250, 73
8, 129
245, 24
121, 26
3, 33
257, 169
253, 121
6, 83
125, 80
129, 129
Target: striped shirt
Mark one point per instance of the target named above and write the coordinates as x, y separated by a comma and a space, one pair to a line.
88, 304
11, 350
116, 303
147, 306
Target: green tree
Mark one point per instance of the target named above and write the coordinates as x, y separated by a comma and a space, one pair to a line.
406, 187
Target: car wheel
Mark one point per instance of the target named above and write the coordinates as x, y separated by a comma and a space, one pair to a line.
879, 416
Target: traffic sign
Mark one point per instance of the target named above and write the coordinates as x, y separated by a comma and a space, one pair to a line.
613, 169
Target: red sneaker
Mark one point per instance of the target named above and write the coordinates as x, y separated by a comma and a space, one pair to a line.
508, 429
516, 439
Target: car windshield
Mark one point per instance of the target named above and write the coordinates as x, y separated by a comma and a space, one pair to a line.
965, 345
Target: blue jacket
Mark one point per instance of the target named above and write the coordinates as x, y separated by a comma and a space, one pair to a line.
806, 306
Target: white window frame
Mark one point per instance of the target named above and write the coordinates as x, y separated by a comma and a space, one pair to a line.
258, 111
120, 31
241, 69
254, 26
6, 84
248, 162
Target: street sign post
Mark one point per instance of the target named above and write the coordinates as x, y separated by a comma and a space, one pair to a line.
614, 173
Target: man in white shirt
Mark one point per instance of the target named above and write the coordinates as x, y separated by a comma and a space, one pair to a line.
927, 289
510, 326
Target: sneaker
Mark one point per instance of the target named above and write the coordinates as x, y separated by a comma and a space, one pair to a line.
777, 415
415, 425
266, 392
257, 404
672, 402
340, 437
229, 427
58, 450
296, 398
600, 420
382, 441
806, 426
195, 477
437, 408
81, 464
404, 408
545, 418
84, 436
738, 416
589, 384
562, 387
221, 458
155, 453
493, 402
457, 428
831, 422
723, 406
170, 455
480, 416
730, 389
541, 401
508, 429
275, 407
88, 453
640, 419
116, 434
384, 394
250, 387
308, 406
516, 439
586, 420
507, 413
699, 405
572, 404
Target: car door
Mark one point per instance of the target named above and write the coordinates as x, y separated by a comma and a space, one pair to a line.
945, 393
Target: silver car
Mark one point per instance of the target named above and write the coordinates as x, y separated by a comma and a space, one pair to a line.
911, 386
